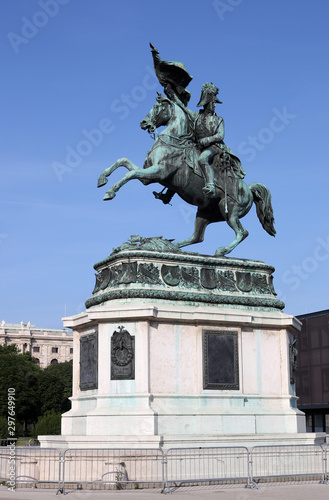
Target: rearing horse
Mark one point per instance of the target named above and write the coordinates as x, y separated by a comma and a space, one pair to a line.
165, 165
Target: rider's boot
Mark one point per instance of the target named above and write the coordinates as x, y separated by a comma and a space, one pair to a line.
209, 189
164, 197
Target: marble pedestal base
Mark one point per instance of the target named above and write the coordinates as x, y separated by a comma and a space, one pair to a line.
144, 373
167, 395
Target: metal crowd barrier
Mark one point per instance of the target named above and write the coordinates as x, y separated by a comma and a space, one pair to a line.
30, 465
116, 467
138, 468
195, 465
289, 461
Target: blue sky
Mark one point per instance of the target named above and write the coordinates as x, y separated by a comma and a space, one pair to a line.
77, 71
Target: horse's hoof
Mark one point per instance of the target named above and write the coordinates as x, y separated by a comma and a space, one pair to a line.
101, 181
221, 252
109, 195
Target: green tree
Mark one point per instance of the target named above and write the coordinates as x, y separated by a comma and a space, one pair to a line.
48, 424
4, 428
55, 387
37, 392
19, 372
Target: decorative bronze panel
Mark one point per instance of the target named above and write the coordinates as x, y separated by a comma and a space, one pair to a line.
182, 276
89, 362
208, 278
226, 281
220, 360
244, 281
190, 277
171, 274
148, 273
122, 355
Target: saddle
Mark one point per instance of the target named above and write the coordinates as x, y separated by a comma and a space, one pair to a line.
228, 173
227, 169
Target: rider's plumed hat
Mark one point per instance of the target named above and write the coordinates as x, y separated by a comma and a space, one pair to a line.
208, 93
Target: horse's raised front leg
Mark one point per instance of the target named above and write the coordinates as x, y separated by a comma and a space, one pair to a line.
200, 224
156, 173
121, 162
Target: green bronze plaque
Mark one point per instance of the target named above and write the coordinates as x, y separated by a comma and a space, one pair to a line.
220, 360
89, 362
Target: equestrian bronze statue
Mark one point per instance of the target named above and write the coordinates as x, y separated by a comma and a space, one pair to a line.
189, 158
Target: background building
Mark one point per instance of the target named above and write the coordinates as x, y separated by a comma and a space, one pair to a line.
312, 375
47, 346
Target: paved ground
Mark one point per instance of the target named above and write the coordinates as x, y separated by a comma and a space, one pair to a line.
300, 491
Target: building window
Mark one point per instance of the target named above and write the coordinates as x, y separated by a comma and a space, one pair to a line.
37, 361
71, 350
54, 350
54, 361
36, 349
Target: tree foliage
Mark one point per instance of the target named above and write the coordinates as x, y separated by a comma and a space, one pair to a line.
55, 386
18, 371
48, 424
4, 428
38, 393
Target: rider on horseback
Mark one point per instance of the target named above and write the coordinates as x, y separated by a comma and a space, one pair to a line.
207, 126
209, 137
209, 133
173, 162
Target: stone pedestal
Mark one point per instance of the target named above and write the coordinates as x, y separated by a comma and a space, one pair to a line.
176, 347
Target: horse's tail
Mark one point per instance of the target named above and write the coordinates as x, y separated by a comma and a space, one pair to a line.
262, 199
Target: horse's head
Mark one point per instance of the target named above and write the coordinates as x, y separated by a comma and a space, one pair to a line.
160, 114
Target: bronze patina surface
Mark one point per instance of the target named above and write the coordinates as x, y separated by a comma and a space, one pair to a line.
189, 157
152, 269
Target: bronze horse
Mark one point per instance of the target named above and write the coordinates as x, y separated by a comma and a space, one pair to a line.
165, 165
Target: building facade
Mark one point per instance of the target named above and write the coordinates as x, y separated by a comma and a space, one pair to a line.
47, 346
312, 375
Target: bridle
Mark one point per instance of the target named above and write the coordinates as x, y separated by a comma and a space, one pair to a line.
177, 142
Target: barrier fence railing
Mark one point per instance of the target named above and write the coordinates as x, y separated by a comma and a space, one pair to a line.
287, 461
116, 467
138, 468
195, 465
30, 465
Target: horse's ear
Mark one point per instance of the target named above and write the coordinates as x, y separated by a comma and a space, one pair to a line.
159, 96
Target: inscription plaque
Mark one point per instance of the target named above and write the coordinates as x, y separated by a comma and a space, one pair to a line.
89, 362
122, 355
220, 360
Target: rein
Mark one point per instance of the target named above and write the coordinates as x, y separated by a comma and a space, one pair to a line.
177, 142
